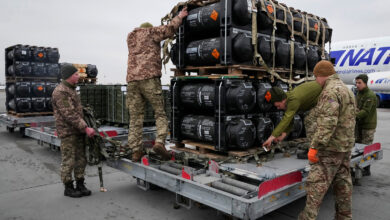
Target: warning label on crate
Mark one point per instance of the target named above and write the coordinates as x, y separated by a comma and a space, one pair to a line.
215, 54
214, 15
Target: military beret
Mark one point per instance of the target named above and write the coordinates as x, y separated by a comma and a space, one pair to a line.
67, 70
146, 25
363, 77
324, 68
277, 94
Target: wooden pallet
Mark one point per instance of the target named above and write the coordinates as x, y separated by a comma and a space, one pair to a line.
209, 151
218, 71
28, 114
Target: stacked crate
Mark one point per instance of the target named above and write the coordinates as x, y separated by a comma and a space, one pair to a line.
32, 73
109, 103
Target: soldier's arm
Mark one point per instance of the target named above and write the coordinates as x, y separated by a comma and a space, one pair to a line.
163, 32
369, 102
285, 125
327, 118
68, 112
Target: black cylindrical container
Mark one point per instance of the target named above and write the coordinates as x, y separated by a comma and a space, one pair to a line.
49, 104
204, 19
11, 90
204, 52
299, 56
38, 104
20, 105
297, 127
92, 71
264, 129
38, 54
242, 14
19, 53
282, 29
53, 69
198, 128
240, 133
53, 56
23, 89
242, 48
37, 89
49, 88
264, 96
282, 53
21, 69
312, 57
276, 117
38, 69
198, 96
241, 98
264, 48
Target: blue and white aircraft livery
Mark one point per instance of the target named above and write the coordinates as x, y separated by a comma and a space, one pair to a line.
368, 56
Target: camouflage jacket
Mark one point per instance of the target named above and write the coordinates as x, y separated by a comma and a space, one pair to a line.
144, 61
68, 111
336, 113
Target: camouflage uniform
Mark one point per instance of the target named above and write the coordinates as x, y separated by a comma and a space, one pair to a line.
143, 79
70, 125
334, 139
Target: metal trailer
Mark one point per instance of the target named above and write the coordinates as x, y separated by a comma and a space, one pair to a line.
241, 190
12, 122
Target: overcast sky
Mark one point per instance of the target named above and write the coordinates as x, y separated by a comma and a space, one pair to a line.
94, 31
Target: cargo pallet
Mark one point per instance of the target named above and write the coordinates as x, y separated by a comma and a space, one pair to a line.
232, 70
28, 114
241, 190
12, 122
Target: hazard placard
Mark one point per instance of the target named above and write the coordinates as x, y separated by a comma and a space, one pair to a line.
214, 15
215, 54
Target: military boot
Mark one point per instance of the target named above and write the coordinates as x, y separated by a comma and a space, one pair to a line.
71, 191
80, 186
160, 149
137, 155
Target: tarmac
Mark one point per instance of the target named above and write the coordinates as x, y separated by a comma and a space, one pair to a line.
30, 188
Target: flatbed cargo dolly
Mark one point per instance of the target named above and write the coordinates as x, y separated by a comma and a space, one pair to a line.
12, 122
241, 190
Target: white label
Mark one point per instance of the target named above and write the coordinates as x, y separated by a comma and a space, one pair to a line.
123, 89
192, 50
192, 17
24, 52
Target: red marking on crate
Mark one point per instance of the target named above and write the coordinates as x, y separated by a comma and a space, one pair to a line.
270, 9
279, 182
145, 161
214, 15
268, 96
215, 54
34, 124
370, 148
213, 166
185, 175
109, 133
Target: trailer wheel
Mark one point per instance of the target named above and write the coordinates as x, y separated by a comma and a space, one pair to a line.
10, 129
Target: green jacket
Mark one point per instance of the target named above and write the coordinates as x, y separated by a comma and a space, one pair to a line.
366, 104
336, 114
302, 98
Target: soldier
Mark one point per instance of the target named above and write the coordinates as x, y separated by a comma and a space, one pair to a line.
331, 145
71, 129
366, 116
302, 98
143, 83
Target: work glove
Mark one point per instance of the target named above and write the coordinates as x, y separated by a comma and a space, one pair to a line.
312, 155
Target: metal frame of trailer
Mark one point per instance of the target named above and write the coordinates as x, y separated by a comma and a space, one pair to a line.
281, 180
12, 122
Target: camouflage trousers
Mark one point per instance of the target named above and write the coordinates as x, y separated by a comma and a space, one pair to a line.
310, 122
137, 94
73, 157
365, 136
332, 169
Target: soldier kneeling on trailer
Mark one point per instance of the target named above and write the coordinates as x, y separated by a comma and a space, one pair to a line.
71, 129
